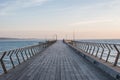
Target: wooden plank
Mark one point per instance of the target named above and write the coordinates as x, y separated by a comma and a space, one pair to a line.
58, 62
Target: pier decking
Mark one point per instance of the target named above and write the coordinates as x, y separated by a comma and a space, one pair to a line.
57, 62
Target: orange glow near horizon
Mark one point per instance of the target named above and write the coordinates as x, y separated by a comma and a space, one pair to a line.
43, 19
79, 34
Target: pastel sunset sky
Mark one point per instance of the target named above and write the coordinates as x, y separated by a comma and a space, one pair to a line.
88, 19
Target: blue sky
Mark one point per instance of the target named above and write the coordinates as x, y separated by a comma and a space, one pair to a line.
45, 18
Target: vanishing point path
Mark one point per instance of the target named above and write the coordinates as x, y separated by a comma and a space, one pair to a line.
58, 62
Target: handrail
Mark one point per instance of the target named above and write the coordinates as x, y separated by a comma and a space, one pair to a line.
99, 49
22, 54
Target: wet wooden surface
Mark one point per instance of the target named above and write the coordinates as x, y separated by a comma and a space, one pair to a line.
58, 62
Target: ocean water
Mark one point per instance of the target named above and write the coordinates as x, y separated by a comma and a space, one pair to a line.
111, 41
6, 45
13, 44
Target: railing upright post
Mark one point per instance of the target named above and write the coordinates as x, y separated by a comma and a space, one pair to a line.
18, 57
79, 45
90, 49
93, 49
12, 59
108, 53
102, 51
29, 53
22, 55
38, 49
2, 63
111, 47
44, 45
97, 50
26, 53
117, 57
32, 51
87, 48
84, 46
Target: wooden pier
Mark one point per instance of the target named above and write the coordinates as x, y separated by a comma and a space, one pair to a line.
57, 62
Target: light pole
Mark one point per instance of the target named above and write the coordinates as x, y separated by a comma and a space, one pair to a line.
66, 36
56, 36
73, 35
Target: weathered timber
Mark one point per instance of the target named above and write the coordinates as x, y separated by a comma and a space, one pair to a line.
58, 62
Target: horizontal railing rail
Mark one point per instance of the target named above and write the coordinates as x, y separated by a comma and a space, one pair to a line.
9, 59
105, 51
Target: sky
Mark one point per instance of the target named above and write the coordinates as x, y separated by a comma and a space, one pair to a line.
86, 19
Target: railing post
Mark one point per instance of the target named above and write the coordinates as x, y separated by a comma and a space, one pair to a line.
21, 51
84, 46
87, 48
90, 49
44, 45
9, 53
2, 63
79, 45
111, 47
17, 56
102, 51
37, 49
29, 53
40, 47
97, 50
117, 57
93, 49
26, 54
32, 51
12, 59
108, 53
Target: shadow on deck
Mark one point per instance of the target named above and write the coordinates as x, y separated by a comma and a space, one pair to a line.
57, 62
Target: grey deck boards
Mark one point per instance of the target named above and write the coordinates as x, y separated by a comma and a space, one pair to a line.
58, 62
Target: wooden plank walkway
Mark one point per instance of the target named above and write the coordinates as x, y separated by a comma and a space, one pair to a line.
58, 62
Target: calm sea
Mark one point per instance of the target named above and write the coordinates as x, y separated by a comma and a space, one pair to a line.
112, 41
6, 45
13, 44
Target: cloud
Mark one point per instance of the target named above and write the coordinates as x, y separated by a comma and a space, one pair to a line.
107, 12
99, 4
90, 22
8, 7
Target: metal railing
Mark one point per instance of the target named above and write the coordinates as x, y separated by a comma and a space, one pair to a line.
105, 51
17, 56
